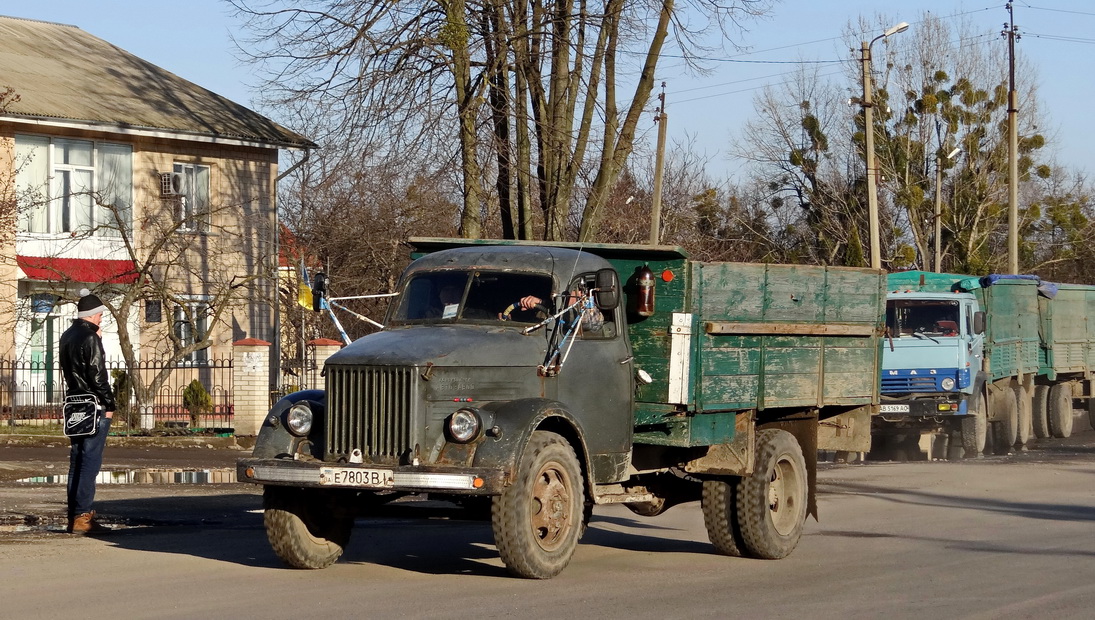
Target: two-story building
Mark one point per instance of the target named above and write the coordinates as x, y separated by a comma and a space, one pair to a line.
121, 177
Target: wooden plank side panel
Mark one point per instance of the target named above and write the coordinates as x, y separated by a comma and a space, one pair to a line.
853, 297
1014, 327
1068, 332
768, 331
732, 291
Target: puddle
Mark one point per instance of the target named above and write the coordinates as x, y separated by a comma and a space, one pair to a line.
147, 476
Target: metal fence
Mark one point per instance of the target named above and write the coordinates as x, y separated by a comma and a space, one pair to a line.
32, 394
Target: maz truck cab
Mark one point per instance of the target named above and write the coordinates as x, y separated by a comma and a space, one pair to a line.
931, 360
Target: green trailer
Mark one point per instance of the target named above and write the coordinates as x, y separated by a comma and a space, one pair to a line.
1066, 359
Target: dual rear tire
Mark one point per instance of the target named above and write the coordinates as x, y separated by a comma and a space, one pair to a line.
760, 516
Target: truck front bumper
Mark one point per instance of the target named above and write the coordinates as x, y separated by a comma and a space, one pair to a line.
951, 404
369, 477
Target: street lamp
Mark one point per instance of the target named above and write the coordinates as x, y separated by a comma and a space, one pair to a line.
939, 206
868, 127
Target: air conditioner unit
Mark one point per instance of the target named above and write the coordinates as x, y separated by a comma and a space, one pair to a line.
172, 184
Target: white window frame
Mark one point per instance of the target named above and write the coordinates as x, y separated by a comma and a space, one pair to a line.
184, 329
62, 210
192, 203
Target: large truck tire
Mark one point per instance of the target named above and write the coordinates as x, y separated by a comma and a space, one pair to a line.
719, 504
772, 501
1060, 410
1006, 427
975, 427
304, 529
1024, 406
1091, 410
537, 520
1039, 414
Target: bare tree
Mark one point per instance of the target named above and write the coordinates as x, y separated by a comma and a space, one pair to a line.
527, 83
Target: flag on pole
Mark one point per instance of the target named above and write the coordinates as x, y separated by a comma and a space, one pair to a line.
304, 290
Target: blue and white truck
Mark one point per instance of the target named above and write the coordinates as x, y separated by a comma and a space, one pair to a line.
962, 360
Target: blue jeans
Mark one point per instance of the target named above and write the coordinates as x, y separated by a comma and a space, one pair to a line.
85, 457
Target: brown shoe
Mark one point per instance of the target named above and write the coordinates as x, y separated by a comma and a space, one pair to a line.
86, 524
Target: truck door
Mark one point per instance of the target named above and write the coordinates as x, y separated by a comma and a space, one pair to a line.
596, 380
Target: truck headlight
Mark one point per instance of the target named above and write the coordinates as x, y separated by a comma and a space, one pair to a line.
947, 383
299, 419
464, 425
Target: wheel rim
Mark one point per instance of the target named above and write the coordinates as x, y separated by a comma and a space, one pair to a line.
784, 491
552, 507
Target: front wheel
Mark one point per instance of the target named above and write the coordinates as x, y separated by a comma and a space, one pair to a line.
538, 519
975, 427
306, 528
772, 501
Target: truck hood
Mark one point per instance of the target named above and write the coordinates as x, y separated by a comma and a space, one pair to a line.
447, 345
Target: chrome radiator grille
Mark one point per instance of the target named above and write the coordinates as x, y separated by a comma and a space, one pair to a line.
369, 408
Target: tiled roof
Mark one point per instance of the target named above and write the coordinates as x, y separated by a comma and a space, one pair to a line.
62, 73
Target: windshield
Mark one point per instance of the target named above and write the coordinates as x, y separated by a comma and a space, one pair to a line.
469, 297
919, 318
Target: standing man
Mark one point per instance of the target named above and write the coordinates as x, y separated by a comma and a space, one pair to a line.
83, 363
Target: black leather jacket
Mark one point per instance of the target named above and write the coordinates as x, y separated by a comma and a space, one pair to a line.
83, 363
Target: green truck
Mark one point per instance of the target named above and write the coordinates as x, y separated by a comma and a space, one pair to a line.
543, 379
967, 355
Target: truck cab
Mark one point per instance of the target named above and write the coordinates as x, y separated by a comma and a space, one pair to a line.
932, 354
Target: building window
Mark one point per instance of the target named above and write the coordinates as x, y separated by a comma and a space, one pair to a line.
73, 186
153, 311
192, 203
191, 325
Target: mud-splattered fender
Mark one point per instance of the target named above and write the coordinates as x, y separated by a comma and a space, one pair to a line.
274, 438
510, 425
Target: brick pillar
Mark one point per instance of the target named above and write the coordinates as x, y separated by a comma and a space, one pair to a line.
322, 348
250, 384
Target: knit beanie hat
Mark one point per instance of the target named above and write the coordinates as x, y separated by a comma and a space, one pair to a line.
88, 305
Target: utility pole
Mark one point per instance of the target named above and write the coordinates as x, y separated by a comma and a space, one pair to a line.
868, 128
656, 209
1012, 33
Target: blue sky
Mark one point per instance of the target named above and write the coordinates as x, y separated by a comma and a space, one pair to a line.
193, 40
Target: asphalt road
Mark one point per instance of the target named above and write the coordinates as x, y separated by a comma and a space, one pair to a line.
1000, 537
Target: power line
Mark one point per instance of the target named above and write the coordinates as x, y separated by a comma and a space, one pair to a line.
1044, 8
1054, 37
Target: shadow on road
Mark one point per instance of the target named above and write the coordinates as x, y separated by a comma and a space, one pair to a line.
229, 528
1028, 510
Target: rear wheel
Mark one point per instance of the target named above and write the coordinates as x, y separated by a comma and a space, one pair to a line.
1039, 415
720, 514
1060, 410
538, 519
306, 528
975, 427
1024, 406
1007, 421
772, 501
1091, 409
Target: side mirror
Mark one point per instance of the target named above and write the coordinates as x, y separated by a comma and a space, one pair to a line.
319, 290
979, 322
607, 295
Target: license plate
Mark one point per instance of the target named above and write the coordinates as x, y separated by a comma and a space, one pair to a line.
894, 409
355, 477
